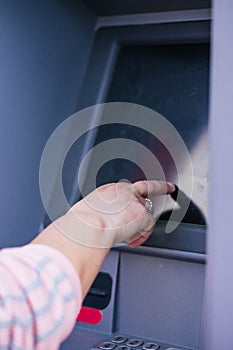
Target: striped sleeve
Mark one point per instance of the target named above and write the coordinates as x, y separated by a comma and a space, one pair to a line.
40, 297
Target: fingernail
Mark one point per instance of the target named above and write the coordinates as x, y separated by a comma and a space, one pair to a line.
171, 187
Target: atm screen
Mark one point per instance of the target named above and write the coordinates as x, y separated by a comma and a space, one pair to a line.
172, 80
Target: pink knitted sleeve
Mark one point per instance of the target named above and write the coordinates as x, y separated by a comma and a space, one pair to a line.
40, 297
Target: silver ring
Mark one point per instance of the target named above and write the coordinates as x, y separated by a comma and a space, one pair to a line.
149, 205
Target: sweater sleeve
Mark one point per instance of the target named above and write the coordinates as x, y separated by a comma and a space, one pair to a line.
40, 297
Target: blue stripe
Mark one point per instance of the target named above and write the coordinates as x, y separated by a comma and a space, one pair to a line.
59, 278
51, 296
44, 309
44, 336
33, 285
18, 322
42, 263
11, 346
23, 295
69, 297
25, 325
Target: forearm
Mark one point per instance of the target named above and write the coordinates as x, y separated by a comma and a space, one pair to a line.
87, 261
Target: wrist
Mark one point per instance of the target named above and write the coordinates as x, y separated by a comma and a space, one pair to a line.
87, 261
85, 229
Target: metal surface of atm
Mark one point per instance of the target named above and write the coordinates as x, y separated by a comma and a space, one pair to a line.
156, 290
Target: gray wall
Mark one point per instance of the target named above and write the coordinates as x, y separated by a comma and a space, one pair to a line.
44, 47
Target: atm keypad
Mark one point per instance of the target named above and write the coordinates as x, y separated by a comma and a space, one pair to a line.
134, 343
150, 346
121, 342
118, 339
107, 345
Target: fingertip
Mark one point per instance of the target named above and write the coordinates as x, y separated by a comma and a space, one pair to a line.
133, 245
170, 187
174, 194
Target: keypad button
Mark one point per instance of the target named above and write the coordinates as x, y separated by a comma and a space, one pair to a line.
150, 346
173, 349
107, 345
133, 343
123, 347
118, 339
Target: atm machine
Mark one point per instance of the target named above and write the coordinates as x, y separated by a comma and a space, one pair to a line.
154, 54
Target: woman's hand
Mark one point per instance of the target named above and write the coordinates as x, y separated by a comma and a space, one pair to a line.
114, 213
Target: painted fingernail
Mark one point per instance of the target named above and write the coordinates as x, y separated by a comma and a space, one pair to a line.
171, 187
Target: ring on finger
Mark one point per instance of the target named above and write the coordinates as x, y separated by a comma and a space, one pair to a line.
149, 205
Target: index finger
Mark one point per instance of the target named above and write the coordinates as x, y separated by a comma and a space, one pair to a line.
153, 188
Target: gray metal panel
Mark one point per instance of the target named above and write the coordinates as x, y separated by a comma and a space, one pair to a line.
109, 40
165, 253
83, 339
160, 299
121, 7
152, 18
186, 237
220, 239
